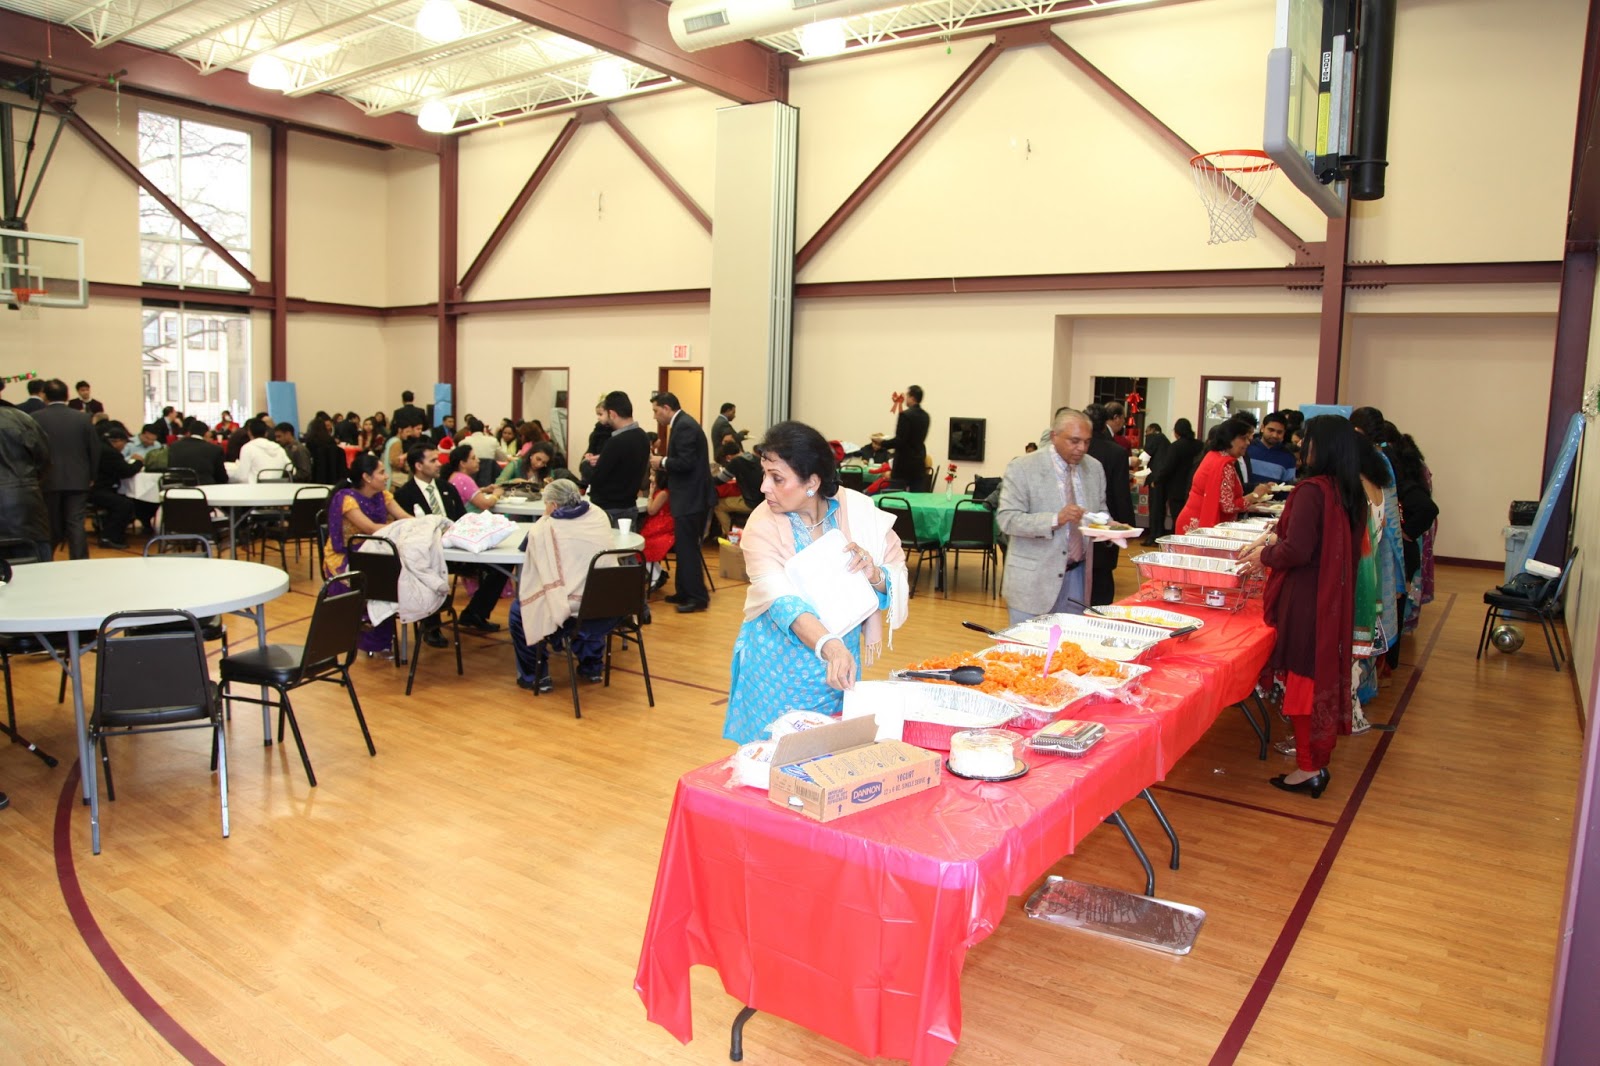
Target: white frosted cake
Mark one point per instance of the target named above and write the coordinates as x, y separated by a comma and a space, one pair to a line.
983, 753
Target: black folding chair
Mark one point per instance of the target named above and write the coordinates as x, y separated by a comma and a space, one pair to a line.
617, 586
184, 510
972, 530
852, 479
176, 477
381, 572
152, 678
906, 529
325, 656
1533, 598
301, 522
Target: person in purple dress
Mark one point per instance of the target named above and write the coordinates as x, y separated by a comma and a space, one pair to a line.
362, 505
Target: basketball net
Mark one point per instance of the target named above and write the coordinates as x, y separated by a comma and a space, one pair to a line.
25, 307
1229, 183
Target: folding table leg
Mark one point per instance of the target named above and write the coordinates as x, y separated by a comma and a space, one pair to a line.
1259, 728
736, 1048
1166, 826
1116, 819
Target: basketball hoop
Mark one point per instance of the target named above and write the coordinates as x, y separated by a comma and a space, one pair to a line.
1230, 182
21, 300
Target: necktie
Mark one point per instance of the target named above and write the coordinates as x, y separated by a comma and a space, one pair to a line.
435, 504
1074, 537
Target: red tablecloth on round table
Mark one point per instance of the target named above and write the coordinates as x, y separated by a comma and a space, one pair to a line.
858, 929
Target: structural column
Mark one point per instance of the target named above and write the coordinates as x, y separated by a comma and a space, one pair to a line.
449, 203
752, 262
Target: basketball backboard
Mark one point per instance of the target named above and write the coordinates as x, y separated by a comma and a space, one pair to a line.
1311, 96
50, 267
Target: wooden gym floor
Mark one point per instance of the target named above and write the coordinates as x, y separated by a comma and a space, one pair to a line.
477, 892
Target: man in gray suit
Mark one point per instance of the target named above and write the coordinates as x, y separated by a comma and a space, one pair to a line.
1043, 496
74, 453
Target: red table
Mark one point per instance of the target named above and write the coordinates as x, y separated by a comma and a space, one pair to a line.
858, 929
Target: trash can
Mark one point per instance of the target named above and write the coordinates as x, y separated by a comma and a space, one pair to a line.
1516, 548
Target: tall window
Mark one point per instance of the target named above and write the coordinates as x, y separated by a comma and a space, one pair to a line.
198, 362
205, 169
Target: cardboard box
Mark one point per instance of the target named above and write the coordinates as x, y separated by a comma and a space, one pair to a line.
730, 562
836, 770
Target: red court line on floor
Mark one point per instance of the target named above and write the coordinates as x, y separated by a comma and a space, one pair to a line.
110, 962
1244, 805
1256, 999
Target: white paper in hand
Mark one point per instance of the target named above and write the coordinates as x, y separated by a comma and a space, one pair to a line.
842, 600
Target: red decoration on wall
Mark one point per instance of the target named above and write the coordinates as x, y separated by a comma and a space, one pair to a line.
897, 400
1134, 400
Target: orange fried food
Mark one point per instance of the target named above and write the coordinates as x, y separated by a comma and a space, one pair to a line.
1018, 674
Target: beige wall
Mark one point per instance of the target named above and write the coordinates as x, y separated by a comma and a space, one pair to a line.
1432, 376
605, 349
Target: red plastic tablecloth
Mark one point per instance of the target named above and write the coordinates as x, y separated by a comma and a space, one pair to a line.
857, 929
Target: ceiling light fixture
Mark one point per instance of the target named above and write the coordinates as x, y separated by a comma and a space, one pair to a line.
820, 39
439, 21
437, 116
270, 72
608, 77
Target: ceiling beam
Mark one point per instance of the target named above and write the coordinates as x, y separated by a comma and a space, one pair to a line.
67, 54
745, 72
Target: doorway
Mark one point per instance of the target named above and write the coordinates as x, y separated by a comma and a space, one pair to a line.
539, 394
1223, 397
687, 383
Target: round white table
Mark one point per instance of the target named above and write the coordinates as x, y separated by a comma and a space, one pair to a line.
534, 508
507, 556
236, 499
69, 596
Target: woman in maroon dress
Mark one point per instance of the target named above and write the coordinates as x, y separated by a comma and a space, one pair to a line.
1310, 600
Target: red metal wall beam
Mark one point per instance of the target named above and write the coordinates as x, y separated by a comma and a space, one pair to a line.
659, 298
221, 299
1264, 277
1583, 209
744, 72
898, 153
514, 212
679, 193
1273, 223
67, 53
1330, 331
449, 198
122, 163
1358, 275
280, 252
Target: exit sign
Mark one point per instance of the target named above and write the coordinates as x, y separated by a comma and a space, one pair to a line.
680, 353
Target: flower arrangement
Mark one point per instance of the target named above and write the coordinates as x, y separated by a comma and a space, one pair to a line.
950, 479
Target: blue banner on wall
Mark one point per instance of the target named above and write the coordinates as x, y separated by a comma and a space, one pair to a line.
442, 403
1312, 410
282, 403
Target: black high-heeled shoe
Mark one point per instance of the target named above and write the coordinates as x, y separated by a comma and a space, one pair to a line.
1315, 784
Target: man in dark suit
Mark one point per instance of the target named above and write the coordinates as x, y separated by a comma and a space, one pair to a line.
409, 409
191, 451
910, 467
74, 451
619, 472
35, 398
1113, 457
688, 468
428, 492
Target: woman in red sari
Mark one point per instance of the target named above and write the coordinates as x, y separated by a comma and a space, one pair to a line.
1215, 494
1311, 561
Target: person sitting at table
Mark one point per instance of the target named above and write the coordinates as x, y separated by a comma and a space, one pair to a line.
658, 530
225, 425
368, 438
111, 467
784, 659
484, 446
875, 452
743, 471
362, 505
328, 463
347, 430
461, 470
261, 453
1215, 493
191, 451
555, 569
1311, 560
299, 455
533, 465
425, 492
150, 438
1043, 498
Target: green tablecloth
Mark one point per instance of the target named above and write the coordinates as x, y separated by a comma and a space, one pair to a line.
932, 513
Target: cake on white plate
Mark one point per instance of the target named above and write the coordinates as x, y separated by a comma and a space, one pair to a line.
983, 753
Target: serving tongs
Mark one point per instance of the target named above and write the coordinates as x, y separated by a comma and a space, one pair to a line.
961, 675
